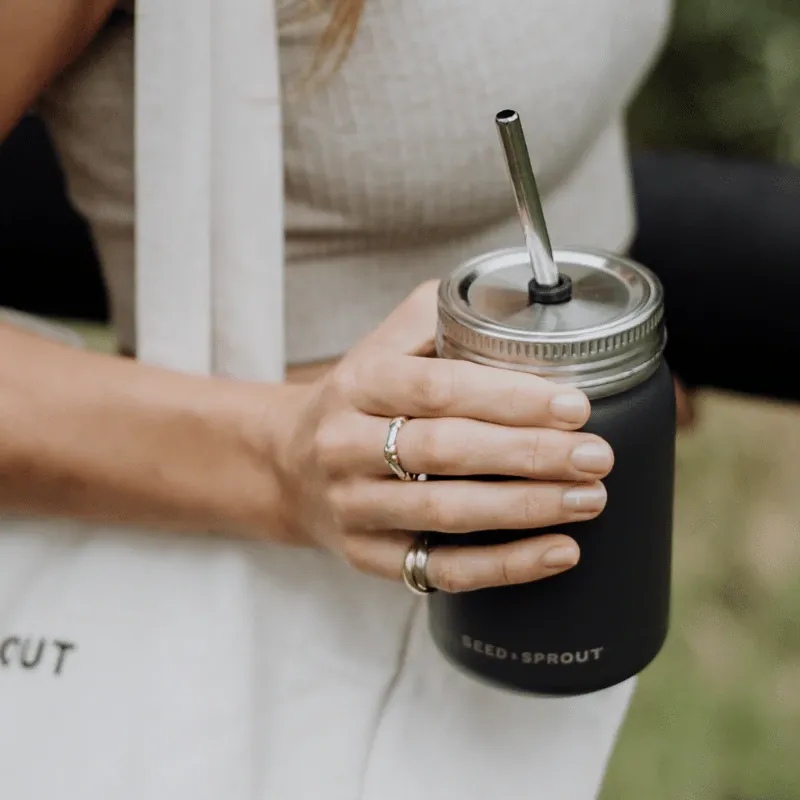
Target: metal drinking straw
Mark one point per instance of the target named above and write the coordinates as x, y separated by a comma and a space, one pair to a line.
529, 205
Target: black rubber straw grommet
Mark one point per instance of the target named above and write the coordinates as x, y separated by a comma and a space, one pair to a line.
551, 295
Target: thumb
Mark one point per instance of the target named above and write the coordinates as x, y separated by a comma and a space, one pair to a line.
411, 328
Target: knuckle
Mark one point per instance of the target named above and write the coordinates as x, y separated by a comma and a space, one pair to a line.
433, 448
526, 396
355, 554
523, 565
452, 576
345, 378
328, 441
532, 508
434, 387
339, 501
534, 453
437, 512
505, 573
518, 400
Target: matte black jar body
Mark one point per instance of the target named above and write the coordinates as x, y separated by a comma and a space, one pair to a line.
606, 619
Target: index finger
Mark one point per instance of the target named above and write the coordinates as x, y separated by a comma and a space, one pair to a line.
411, 327
390, 385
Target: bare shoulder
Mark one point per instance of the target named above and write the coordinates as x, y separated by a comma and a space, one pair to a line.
37, 40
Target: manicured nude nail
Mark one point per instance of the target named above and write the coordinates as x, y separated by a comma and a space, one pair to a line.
593, 457
561, 557
585, 498
571, 407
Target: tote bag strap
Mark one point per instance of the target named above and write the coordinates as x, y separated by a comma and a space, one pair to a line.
209, 187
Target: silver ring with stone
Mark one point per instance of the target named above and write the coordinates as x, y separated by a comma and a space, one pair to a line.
391, 455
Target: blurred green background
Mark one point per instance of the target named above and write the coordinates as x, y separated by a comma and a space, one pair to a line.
717, 717
729, 81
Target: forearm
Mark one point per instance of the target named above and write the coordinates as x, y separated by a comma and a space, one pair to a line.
96, 437
37, 40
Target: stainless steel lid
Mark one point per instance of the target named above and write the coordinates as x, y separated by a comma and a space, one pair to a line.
607, 338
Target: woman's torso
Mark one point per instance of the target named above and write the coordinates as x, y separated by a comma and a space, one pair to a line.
392, 169
219, 668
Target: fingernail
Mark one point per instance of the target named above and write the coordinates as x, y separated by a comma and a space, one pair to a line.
572, 407
560, 557
585, 498
593, 457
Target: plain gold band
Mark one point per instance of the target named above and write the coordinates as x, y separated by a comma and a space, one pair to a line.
415, 566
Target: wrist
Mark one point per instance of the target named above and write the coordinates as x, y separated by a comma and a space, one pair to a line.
112, 441
241, 495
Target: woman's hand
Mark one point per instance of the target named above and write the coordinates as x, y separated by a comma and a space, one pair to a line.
466, 419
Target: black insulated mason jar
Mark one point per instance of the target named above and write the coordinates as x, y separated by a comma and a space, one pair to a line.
606, 619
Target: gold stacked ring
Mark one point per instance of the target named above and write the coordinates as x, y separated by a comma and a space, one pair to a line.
415, 566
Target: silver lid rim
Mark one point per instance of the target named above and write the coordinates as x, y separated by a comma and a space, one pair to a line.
477, 323
601, 359
603, 385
